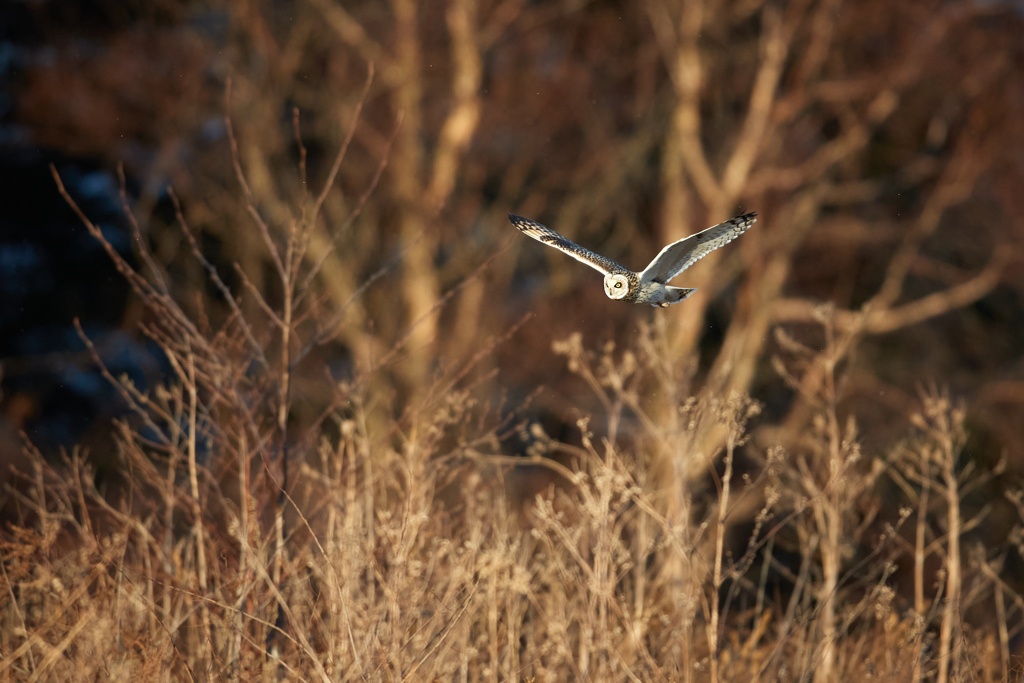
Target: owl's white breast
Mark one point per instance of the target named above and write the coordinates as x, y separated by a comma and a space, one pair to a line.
651, 293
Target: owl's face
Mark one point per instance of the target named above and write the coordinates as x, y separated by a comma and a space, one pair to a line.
616, 286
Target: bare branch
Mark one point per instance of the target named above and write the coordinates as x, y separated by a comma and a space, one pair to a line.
344, 147
460, 125
327, 250
215, 277
890, 319
249, 201
687, 80
140, 241
349, 30
762, 96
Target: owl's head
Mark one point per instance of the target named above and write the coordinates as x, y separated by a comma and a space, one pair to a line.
616, 286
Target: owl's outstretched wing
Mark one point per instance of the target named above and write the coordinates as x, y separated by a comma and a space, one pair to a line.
678, 256
553, 239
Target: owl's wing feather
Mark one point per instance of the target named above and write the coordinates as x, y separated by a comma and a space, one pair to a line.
678, 256
553, 239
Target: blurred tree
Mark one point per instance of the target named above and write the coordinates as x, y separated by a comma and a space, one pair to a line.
879, 142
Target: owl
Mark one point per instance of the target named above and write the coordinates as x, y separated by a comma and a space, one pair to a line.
650, 286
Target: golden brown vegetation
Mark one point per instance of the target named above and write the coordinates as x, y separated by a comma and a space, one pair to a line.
368, 463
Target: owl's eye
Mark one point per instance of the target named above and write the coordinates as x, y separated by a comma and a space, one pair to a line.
618, 285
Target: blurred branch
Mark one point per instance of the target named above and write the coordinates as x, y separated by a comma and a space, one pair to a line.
257, 349
688, 76
829, 154
954, 186
822, 28
460, 125
353, 34
140, 240
249, 200
501, 17
160, 302
887, 320
762, 97
340, 157
325, 242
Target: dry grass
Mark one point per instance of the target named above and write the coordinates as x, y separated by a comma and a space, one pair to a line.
378, 537
402, 559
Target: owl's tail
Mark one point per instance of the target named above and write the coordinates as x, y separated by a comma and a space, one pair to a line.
674, 295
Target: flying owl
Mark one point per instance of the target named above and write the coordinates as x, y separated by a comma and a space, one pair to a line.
649, 286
